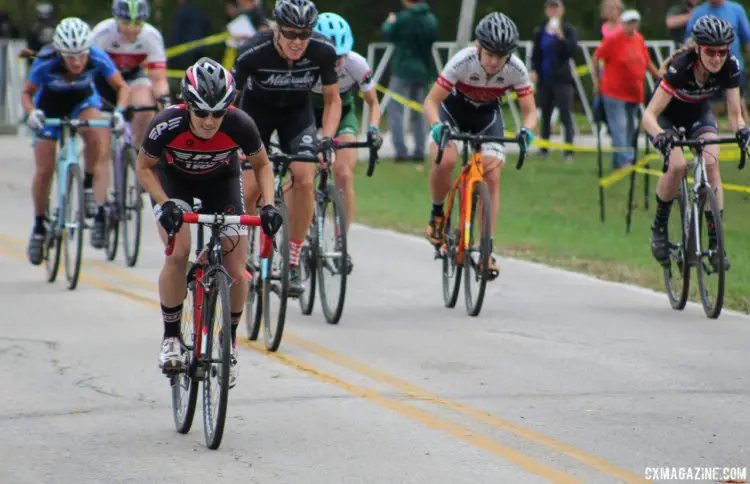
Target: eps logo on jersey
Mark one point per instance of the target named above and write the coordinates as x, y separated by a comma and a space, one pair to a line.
157, 130
200, 162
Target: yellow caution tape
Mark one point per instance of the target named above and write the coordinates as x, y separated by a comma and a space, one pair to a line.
726, 186
622, 173
194, 44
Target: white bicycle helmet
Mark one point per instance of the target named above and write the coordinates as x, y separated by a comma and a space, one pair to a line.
72, 36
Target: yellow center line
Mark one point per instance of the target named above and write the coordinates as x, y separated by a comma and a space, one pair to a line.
411, 390
409, 411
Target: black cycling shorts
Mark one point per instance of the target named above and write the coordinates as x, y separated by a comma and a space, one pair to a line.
217, 195
694, 125
295, 126
469, 119
108, 93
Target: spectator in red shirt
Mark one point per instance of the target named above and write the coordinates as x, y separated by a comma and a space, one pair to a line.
626, 60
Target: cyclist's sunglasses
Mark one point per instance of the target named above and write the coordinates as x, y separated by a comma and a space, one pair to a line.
75, 55
202, 113
131, 23
715, 52
292, 34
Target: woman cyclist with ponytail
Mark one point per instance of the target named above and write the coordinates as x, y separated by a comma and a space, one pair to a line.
690, 78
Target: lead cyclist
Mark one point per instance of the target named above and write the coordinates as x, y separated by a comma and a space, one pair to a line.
467, 95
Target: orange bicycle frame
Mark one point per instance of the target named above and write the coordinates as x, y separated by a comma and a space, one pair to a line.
471, 174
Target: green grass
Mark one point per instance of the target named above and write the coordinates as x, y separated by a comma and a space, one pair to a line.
550, 213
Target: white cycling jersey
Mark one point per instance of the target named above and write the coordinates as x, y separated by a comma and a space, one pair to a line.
146, 51
354, 71
465, 78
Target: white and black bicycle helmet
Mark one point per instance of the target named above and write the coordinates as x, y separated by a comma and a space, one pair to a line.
302, 14
72, 36
711, 30
497, 33
208, 86
131, 10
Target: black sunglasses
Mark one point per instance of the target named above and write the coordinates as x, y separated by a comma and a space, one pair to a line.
291, 34
202, 113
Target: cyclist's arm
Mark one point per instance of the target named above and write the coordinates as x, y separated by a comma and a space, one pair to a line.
432, 103
119, 85
371, 98
263, 171
27, 96
159, 82
656, 106
528, 111
331, 109
734, 108
144, 171
156, 63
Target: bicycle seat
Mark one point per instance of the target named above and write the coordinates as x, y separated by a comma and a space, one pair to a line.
197, 204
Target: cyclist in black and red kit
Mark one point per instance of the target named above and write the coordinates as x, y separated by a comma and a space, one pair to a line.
278, 68
191, 151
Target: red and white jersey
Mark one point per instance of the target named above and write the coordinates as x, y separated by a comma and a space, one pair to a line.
465, 78
146, 51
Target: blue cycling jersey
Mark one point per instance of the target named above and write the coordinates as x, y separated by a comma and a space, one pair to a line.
48, 71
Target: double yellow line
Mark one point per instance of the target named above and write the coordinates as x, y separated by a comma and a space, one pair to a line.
12, 248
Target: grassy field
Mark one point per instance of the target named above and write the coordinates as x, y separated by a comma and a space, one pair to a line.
549, 213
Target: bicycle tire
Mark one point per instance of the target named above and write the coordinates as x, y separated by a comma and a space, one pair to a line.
75, 182
680, 256
333, 311
131, 247
218, 295
253, 305
479, 194
53, 239
112, 231
183, 409
707, 196
272, 339
452, 270
308, 263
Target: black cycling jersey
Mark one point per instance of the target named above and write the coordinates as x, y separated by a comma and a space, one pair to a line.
184, 154
270, 80
690, 100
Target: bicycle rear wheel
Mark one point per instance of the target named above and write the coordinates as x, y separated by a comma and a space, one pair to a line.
334, 260
308, 263
184, 386
75, 220
218, 358
276, 285
452, 269
677, 270
131, 208
711, 261
477, 254
253, 303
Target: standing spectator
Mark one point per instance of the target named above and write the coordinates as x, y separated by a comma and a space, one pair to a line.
735, 14
42, 30
677, 18
412, 32
253, 9
555, 43
611, 10
626, 59
7, 31
190, 23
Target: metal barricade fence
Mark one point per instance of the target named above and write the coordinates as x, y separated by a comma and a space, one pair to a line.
12, 75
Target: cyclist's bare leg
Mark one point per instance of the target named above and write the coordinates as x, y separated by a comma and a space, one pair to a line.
441, 178
44, 170
95, 155
234, 262
344, 174
669, 184
172, 280
300, 199
711, 157
141, 95
251, 190
493, 167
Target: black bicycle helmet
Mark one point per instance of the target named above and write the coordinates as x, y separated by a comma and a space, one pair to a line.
208, 86
711, 30
301, 14
497, 33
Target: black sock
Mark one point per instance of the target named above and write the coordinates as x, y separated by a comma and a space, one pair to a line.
99, 213
662, 212
235, 317
437, 209
172, 318
88, 180
39, 227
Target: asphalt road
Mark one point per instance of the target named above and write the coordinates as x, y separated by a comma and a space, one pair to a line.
561, 378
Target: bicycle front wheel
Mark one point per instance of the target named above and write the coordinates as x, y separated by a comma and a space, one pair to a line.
711, 262
677, 270
75, 221
184, 386
333, 262
477, 252
217, 358
276, 285
253, 303
308, 263
131, 207
53, 239
452, 269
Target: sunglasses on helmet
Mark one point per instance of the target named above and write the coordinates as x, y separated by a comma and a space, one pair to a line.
292, 34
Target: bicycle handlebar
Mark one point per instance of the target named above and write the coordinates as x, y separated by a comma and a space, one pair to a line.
477, 140
77, 123
361, 144
218, 219
700, 143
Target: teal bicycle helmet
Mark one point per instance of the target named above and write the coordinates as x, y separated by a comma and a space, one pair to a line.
334, 27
